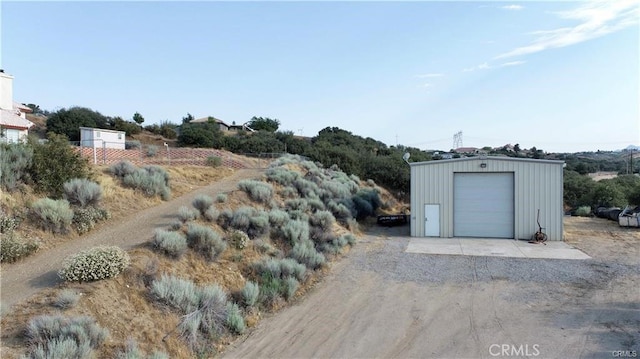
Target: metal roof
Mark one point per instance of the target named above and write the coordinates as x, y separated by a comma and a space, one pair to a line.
487, 158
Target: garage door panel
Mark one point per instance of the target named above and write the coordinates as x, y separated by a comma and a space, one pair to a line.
483, 205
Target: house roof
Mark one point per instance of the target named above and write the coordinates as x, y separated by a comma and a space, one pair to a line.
11, 119
101, 129
22, 107
466, 149
206, 119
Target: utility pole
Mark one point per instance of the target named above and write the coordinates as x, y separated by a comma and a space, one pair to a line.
631, 160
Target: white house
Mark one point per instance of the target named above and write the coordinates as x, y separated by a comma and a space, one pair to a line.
101, 138
14, 126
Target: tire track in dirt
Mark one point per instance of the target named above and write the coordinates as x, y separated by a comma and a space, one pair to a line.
25, 278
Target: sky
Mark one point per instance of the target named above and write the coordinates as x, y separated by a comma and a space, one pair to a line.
560, 76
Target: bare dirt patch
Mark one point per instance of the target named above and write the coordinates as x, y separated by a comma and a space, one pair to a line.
383, 302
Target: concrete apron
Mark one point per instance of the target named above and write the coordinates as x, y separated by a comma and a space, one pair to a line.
494, 248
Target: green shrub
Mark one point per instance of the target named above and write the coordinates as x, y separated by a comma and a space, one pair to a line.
241, 218
214, 161
202, 203
150, 180
178, 293
55, 336
265, 247
15, 161
323, 219
152, 150
84, 219
82, 192
583, 211
288, 192
315, 204
258, 224
204, 309
277, 217
271, 289
131, 351
349, 238
176, 225
186, 214
281, 176
54, 163
340, 212
305, 253
94, 264
296, 231
205, 241
258, 191
212, 305
221, 198
52, 215
366, 202
12, 247
133, 144
8, 223
306, 188
291, 285
238, 239
296, 204
289, 267
67, 298
172, 244
122, 168
280, 268
235, 322
211, 214
250, 293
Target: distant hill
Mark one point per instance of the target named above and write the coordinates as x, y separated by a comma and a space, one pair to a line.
632, 147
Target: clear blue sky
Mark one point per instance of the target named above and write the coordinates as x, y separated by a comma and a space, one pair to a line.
561, 76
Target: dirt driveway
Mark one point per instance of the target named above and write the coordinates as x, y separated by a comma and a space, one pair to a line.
25, 278
382, 302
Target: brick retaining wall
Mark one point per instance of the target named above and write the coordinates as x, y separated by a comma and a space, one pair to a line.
175, 156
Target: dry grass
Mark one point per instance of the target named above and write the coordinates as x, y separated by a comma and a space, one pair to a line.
122, 305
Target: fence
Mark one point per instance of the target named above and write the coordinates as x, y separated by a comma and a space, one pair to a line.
103, 154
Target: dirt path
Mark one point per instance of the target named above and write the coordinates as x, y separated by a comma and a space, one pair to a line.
21, 280
381, 302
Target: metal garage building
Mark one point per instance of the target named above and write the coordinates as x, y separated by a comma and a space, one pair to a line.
486, 197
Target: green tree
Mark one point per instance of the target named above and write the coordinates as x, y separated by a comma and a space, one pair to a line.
578, 189
264, 124
137, 117
119, 124
67, 122
206, 134
188, 118
608, 193
35, 108
54, 163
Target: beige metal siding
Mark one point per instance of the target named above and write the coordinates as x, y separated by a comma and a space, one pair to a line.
538, 185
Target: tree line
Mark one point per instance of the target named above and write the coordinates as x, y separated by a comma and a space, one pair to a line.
365, 157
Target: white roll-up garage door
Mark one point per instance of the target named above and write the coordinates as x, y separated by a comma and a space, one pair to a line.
483, 205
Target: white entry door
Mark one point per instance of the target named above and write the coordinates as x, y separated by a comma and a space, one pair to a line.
432, 220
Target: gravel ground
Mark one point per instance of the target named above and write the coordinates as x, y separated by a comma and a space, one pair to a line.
379, 301
392, 262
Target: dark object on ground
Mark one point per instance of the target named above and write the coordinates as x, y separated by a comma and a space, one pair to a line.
393, 220
605, 212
